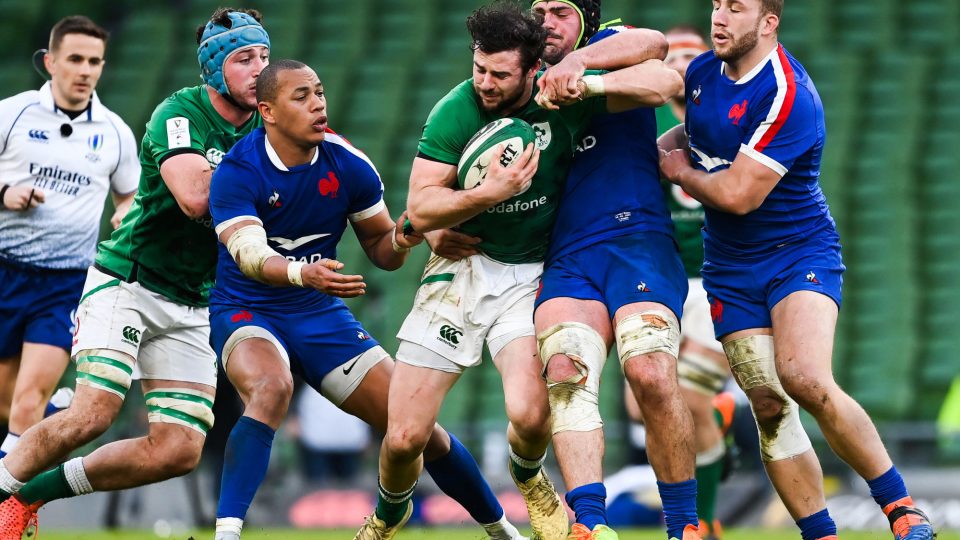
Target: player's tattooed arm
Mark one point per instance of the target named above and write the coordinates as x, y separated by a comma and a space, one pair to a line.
188, 178
247, 243
383, 239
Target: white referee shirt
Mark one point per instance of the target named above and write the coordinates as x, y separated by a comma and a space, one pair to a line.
74, 171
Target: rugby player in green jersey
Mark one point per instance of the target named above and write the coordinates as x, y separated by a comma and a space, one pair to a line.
488, 297
144, 304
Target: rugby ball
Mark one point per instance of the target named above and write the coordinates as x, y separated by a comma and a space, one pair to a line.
514, 134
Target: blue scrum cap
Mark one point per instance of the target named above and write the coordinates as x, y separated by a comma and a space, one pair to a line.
219, 42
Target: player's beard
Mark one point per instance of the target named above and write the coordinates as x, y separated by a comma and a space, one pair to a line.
506, 103
740, 46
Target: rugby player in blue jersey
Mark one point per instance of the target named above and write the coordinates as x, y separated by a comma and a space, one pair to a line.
751, 152
280, 201
613, 272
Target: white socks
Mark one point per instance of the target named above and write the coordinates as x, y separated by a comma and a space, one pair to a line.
228, 528
8, 484
9, 443
503, 530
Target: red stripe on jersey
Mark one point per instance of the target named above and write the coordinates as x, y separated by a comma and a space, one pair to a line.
787, 105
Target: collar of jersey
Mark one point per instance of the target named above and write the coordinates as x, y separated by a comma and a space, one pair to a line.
275, 159
753, 72
95, 111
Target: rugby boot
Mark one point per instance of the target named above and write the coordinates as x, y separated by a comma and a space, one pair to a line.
600, 532
18, 520
711, 531
375, 529
548, 517
908, 522
690, 532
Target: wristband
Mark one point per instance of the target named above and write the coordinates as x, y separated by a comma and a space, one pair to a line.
396, 247
593, 85
295, 272
3, 192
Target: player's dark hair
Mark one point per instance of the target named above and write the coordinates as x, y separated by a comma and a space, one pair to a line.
222, 18
267, 80
772, 6
504, 26
75, 24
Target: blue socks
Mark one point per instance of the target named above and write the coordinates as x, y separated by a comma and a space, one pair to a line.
589, 504
244, 466
818, 525
458, 475
888, 487
679, 506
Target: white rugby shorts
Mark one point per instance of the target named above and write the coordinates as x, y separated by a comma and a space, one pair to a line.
168, 340
461, 304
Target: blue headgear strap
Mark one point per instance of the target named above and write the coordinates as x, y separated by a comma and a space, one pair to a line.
218, 42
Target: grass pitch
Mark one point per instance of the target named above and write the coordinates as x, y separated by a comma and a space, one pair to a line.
445, 534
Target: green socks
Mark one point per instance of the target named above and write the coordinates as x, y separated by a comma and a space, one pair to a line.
524, 469
392, 506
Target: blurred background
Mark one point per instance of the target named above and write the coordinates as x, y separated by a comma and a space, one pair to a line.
888, 72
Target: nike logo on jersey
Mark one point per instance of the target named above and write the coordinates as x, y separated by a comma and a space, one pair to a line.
290, 245
709, 163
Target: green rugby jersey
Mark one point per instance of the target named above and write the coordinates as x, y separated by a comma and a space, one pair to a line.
516, 230
685, 211
157, 244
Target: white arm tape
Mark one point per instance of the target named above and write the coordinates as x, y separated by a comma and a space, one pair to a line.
593, 85
248, 247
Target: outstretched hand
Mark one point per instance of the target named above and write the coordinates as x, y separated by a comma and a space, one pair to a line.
325, 277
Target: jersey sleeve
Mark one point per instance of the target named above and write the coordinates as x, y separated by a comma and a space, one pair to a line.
172, 131
10, 110
449, 127
234, 194
126, 176
366, 187
783, 127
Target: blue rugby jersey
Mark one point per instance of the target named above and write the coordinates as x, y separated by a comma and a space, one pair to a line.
613, 187
773, 114
304, 210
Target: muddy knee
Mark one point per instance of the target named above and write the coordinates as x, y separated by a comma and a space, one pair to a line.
573, 381
753, 364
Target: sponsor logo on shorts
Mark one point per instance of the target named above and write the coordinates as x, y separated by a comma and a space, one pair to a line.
450, 335
131, 335
716, 310
241, 316
812, 278
362, 337
642, 287
348, 369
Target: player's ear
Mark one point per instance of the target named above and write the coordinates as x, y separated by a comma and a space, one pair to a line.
266, 112
48, 62
770, 24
